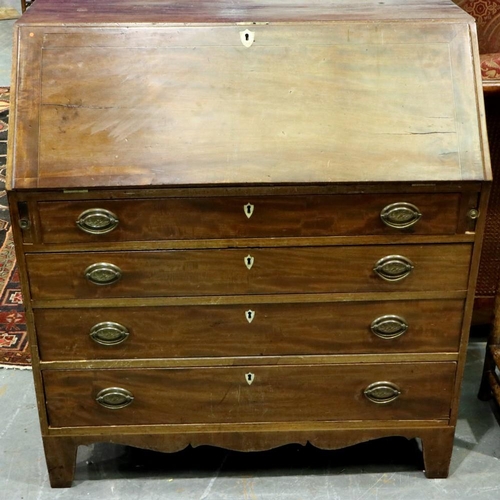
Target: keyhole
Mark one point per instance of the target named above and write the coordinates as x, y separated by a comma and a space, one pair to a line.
247, 37
250, 315
248, 208
248, 260
249, 377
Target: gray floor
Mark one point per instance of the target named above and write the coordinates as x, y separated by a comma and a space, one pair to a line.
382, 469
6, 42
388, 469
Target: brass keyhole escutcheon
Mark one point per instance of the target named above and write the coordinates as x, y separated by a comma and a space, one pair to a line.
248, 209
249, 260
249, 377
250, 315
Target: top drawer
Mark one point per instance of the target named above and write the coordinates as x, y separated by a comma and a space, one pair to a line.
247, 217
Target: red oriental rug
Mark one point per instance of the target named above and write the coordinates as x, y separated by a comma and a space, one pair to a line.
13, 336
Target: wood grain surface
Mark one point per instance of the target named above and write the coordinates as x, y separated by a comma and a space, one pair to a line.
224, 272
230, 11
276, 329
284, 393
206, 218
161, 113
314, 117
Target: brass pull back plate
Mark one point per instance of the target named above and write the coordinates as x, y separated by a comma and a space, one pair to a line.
389, 326
114, 398
400, 215
109, 333
103, 273
394, 267
97, 221
382, 392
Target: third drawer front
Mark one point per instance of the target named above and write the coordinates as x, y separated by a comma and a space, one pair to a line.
247, 271
404, 391
249, 330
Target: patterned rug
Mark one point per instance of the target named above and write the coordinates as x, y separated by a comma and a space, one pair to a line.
13, 337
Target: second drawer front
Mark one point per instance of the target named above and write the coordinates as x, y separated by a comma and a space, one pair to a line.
247, 271
249, 330
219, 395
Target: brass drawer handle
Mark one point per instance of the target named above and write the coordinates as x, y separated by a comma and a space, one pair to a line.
382, 392
400, 215
103, 273
114, 398
97, 221
389, 326
394, 267
109, 333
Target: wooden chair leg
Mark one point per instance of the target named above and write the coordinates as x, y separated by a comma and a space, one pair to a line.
23, 5
437, 447
60, 455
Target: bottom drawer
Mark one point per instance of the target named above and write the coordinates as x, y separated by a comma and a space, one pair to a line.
249, 394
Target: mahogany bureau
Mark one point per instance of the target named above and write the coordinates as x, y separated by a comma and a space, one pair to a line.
247, 224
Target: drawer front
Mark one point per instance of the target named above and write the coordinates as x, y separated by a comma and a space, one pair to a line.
245, 217
249, 330
244, 271
248, 394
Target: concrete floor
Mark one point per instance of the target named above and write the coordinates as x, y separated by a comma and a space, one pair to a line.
386, 469
389, 469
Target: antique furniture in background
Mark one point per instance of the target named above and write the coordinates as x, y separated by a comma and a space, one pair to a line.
490, 382
247, 227
487, 15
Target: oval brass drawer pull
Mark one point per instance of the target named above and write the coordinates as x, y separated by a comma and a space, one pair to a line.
103, 273
382, 392
393, 267
400, 215
389, 326
97, 221
109, 333
114, 398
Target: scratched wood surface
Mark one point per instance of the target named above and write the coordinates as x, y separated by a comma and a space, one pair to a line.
278, 393
292, 108
364, 100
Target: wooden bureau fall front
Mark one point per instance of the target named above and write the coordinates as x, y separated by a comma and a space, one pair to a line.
247, 224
